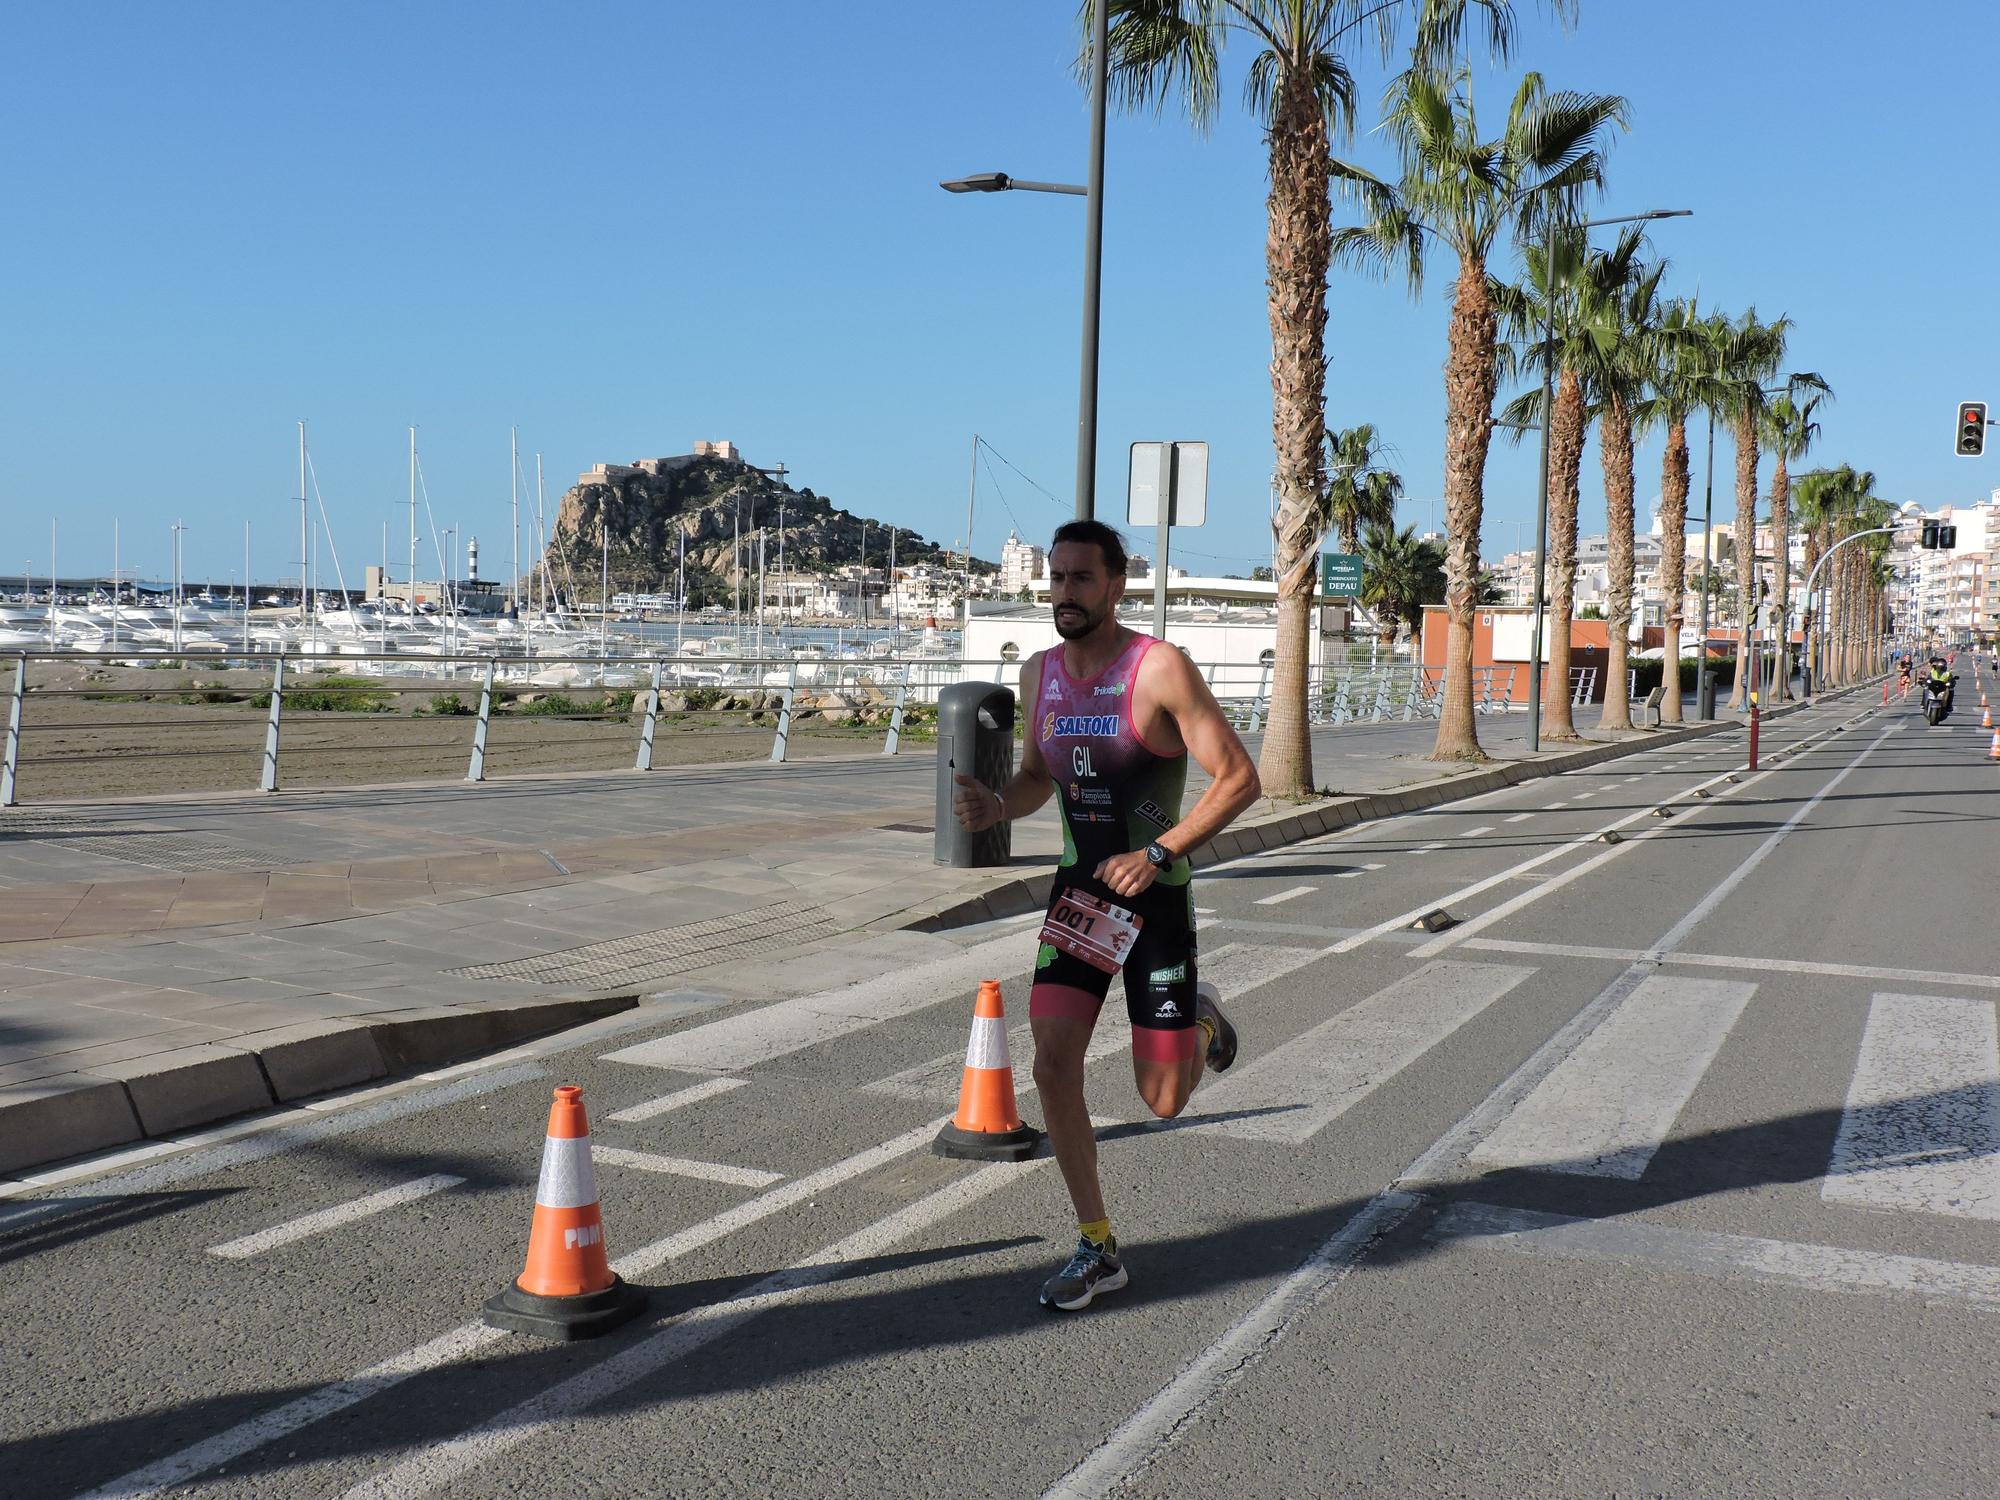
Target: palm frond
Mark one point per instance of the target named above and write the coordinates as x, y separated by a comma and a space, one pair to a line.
1160, 49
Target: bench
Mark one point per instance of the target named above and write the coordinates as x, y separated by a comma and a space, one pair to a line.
1651, 706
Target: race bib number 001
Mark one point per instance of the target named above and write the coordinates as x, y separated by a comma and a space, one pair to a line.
1093, 930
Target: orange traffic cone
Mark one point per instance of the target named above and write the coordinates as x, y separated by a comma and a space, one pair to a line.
987, 1126
1985, 718
1993, 753
568, 1290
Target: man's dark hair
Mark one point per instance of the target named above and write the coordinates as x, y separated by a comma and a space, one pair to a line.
1107, 541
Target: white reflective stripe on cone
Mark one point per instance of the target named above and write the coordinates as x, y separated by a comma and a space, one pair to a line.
987, 1047
568, 1180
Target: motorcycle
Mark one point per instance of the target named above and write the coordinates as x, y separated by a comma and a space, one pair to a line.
1937, 700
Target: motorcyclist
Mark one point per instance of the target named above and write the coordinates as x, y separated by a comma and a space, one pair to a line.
1939, 679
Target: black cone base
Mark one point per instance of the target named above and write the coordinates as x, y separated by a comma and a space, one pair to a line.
564, 1318
987, 1145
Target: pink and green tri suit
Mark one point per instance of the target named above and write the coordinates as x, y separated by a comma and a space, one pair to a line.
1116, 794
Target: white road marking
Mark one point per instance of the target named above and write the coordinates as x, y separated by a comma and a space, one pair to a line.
1283, 896
1829, 1268
680, 1166
1609, 1106
1204, 911
1312, 1080
469, 1338
1553, 806
1427, 848
1520, 817
1921, 1130
1473, 833
693, 1094
1630, 779
1581, 796
333, 1218
737, 1042
1472, 928
1737, 961
541, 1414
1357, 870
1236, 969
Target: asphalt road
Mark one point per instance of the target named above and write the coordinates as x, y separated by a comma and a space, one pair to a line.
1672, 1168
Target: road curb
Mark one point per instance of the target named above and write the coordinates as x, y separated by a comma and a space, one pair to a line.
1273, 830
76, 1114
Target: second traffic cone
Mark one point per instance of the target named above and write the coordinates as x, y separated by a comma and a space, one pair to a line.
987, 1126
1994, 752
1985, 718
568, 1289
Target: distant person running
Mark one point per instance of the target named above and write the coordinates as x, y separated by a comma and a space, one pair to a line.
1113, 717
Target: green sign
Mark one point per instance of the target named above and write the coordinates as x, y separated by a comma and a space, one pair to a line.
1339, 575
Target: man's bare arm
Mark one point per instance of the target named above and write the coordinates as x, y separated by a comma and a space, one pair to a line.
1233, 783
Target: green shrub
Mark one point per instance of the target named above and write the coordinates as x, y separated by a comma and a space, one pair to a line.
447, 705
558, 705
211, 695
700, 698
333, 694
619, 702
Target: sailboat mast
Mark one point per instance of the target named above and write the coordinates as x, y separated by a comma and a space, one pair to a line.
305, 539
541, 533
514, 483
413, 522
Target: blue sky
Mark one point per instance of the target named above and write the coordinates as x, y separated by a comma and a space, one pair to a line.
624, 227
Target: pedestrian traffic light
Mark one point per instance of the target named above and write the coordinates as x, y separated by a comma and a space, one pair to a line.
1947, 538
1971, 428
1930, 536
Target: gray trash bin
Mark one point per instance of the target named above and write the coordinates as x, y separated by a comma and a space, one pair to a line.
975, 737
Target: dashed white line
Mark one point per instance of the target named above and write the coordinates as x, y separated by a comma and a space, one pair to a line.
1427, 848
1553, 806
1283, 896
1473, 833
333, 1218
1520, 817
1357, 870
693, 1094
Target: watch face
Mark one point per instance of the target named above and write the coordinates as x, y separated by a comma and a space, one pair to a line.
1157, 855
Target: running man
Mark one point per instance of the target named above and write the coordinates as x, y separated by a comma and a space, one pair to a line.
1113, 716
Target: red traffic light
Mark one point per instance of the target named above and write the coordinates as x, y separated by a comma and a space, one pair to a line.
1972, 414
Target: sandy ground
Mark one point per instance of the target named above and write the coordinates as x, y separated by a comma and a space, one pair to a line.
112, 732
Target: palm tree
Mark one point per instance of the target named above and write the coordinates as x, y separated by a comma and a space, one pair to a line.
1466, 193
1622, 308
1360, 491
1683, 382
1528, 312
1399, 576
1302, 93
1789, 430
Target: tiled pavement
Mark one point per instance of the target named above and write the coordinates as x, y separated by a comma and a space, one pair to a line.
134, 932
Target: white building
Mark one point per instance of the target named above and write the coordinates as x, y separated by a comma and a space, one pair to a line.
1021, 563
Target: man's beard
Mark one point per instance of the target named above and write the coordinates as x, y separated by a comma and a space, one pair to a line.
1074, 629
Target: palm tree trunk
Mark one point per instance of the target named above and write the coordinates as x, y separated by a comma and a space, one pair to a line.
1673, 563
1566, 423
1614, 446
1781, 567
1471, 375
1806, 621
1296, 252
1746, 549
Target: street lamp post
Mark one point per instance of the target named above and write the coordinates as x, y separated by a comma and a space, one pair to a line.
1093, 256
1542, 486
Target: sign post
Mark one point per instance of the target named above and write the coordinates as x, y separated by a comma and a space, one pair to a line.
1167, 486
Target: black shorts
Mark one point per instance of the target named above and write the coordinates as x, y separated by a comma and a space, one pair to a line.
1159, 971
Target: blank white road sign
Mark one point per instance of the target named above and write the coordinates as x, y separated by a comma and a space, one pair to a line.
1178, 469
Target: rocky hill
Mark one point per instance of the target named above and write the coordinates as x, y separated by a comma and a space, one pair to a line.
704, 499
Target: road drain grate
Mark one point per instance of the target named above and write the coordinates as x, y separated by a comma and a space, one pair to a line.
149, 848
647, 956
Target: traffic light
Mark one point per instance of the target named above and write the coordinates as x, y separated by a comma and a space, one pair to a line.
1930, 536
1971, 429
1947, 538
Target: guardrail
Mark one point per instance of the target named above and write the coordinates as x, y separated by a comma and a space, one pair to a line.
636, 702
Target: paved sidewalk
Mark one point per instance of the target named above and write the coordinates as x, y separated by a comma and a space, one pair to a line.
164, 964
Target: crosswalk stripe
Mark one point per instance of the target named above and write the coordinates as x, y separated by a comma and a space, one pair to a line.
1921, 1129
1706, 1253
678, 1099
1235, 969
737, 1042
1310, 1081
680, 1166
1607, 1107
333, 1218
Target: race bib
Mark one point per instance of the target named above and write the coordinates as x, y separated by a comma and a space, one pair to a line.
1093, 930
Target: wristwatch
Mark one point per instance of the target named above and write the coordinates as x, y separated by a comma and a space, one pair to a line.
1157, 856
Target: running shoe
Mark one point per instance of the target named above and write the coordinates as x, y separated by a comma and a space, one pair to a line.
1221, 1051
1094, 1268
